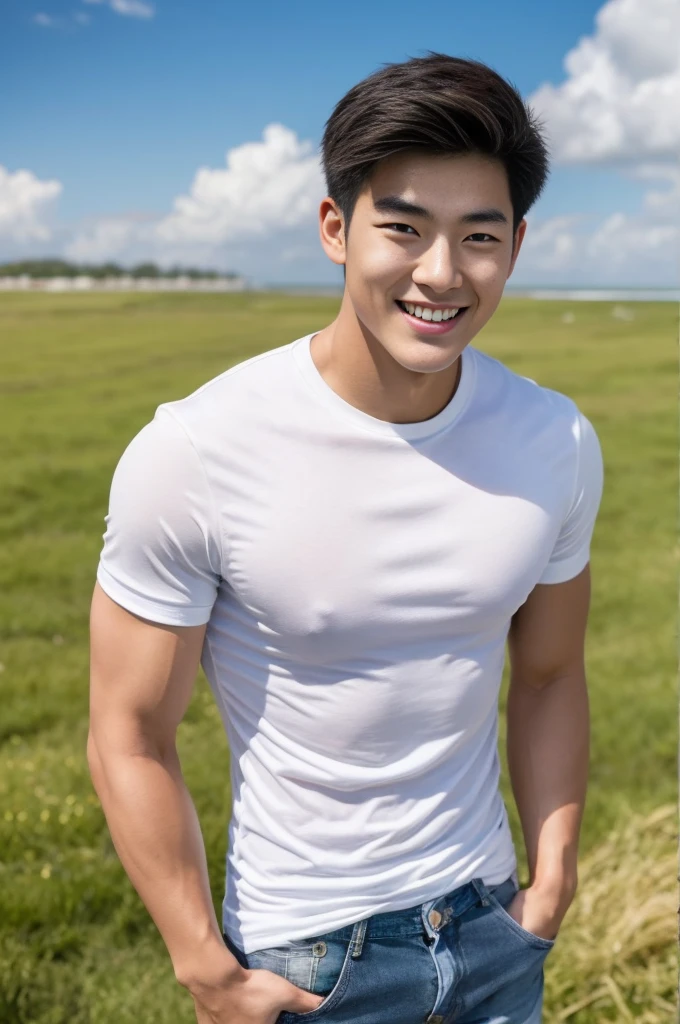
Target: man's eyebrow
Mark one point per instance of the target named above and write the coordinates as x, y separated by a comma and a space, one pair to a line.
395, 204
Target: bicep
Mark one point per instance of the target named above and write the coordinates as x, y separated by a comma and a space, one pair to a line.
142, 675
547, 634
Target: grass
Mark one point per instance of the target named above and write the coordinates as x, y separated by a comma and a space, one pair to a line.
79, 376
618, 951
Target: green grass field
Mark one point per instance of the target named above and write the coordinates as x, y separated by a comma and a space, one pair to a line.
79, 376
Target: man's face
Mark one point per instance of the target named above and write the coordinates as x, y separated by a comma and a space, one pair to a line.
431, 258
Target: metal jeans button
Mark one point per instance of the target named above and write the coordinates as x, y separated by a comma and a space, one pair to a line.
435, 918
319, 948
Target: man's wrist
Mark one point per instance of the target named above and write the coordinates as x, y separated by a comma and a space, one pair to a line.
213, 966
556, 890
555, 871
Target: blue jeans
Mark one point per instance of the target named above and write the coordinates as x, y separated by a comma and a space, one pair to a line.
457, 959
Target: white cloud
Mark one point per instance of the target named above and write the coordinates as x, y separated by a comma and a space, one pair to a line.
128, 8
63, 23
24, 202
650, 240
620, 249
106, 239
550, 244
620, 239
661, 204
268, 190
621, 99
619, 106
266, 186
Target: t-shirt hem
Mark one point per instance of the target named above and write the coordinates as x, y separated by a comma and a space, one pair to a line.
257, 941
566, 570
150, 609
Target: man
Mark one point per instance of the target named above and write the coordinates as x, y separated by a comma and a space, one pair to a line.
346, 530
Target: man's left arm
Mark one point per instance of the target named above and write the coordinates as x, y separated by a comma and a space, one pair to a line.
548, 739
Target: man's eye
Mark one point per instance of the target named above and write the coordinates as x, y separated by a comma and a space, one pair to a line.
397, 226
479, 236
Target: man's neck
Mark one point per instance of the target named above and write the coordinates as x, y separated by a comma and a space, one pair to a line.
359, 369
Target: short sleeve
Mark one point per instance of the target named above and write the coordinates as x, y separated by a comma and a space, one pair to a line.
571, 552
162, 554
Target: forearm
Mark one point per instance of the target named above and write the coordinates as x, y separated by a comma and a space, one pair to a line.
156, 833
548, 750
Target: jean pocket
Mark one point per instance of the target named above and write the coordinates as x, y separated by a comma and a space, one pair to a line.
500, 897
321, 966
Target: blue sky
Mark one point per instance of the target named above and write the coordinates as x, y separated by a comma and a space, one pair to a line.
122, 106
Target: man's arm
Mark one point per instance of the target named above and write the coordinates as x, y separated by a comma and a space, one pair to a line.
141, 679
142, 676
548, 738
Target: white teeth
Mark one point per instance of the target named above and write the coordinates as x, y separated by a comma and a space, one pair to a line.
429, 314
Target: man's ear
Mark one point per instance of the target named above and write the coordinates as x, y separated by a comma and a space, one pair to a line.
517, 244
332, 231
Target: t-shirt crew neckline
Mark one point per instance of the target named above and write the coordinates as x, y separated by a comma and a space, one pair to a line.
406, 431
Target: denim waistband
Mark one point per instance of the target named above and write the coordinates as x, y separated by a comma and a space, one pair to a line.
409, 921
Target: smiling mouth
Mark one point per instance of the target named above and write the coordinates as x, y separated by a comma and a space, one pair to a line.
431, 320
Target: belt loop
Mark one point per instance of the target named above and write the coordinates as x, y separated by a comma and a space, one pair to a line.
481, 890
357, 940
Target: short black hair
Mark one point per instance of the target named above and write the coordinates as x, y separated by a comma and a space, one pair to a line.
437, 104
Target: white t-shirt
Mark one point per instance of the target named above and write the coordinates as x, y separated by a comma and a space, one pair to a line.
358, 578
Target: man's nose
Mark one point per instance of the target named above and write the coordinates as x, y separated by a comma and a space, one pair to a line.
438, 268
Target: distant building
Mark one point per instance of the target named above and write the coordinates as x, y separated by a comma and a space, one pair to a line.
123, 283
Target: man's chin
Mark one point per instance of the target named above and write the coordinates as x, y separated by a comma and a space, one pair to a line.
422, 356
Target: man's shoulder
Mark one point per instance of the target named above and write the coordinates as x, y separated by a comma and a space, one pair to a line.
232, 395
261, 366
523, 394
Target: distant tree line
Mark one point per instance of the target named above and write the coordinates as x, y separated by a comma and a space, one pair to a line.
62, 268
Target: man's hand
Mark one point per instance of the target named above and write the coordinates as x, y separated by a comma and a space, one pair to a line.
540, 909
251, 997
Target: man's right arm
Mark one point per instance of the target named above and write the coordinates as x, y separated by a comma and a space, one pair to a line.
142, 676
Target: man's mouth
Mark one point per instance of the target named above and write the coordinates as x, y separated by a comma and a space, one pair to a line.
427, 321
429, 315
